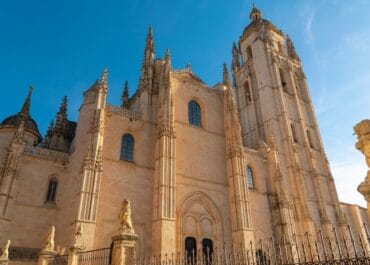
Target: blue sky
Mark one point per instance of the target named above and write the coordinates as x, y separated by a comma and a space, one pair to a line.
61, 48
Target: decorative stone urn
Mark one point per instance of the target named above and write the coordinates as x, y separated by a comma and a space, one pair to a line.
362, 130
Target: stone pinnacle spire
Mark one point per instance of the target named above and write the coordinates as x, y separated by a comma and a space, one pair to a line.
226, 78
104, 80
167, 57
236, 58
124, 98
149, 46
146, 78
27, 103
61, 119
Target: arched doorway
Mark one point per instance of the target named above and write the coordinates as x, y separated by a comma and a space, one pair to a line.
199, 229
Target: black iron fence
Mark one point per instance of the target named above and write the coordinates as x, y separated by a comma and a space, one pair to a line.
101, 256
336, 248
59, 260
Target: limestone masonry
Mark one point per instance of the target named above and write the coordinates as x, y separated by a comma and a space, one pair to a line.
199, 166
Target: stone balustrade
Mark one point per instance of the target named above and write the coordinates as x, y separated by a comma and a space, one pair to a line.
46, 153
129, 114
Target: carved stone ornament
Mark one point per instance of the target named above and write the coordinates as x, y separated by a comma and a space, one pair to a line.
5, 251
125, 218
49, 241
78, 240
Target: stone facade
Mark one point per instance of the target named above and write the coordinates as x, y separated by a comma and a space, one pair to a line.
184, 178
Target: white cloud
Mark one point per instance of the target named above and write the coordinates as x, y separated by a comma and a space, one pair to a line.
348, 175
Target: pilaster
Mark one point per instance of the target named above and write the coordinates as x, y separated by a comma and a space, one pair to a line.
240, 210
164, 201
10, 169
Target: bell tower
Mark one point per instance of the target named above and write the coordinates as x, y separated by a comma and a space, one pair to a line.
275, 106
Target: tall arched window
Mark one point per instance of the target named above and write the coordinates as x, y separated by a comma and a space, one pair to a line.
283, 81
250, 181
294, 133
194, 113
248, 96
52, 190
309, 138
249, 53
127, 147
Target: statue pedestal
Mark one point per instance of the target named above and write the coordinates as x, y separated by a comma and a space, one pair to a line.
4, 261
46, 256
74, 254
124, 249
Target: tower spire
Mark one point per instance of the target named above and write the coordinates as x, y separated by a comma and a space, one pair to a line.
27, 103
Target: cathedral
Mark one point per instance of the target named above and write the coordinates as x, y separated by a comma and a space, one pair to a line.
202, 166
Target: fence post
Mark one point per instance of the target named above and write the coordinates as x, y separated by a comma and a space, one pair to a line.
124, 243
48, 252
4, 257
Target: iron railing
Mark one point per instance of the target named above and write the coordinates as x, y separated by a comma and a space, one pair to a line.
59, 260
101, 256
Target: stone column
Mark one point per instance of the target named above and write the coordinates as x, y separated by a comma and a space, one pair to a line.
4, 258
124, 243
362, 130
48, 252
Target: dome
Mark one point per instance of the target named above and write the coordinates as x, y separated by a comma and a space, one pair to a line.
15, 120
24, 115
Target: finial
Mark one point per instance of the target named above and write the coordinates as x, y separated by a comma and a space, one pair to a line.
149, 40
49, 241
188, 67
255, 14
226, 79
5, 252
167, 56
27, 103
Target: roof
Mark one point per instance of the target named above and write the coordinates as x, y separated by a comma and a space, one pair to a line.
29, 123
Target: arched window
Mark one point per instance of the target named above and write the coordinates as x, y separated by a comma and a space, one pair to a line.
309, 138
194, 114
294, 133
249, 53
127, 147
250, 181
248, 96
280, 47
283, 81
52, 190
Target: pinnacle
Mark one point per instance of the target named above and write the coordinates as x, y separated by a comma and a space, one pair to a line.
27, 103
125, 89
226, 79
167, 56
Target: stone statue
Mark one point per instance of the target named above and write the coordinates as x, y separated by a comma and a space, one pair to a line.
78, 241
362, 130
5, 251
49, 241
125, 218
